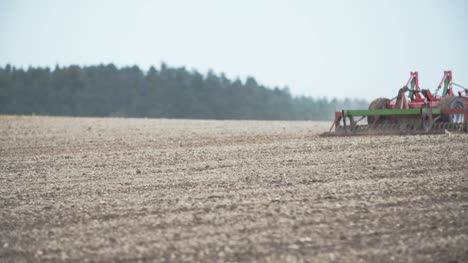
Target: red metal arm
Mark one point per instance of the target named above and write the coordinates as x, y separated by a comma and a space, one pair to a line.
447, 75
414, 76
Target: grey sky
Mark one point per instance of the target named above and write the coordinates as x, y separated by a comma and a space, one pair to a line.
318, 48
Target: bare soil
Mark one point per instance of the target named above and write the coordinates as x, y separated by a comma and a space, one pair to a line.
136, 190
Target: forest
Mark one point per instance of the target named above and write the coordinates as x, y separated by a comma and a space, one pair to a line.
164, 92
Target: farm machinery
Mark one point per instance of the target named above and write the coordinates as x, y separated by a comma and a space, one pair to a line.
412, 111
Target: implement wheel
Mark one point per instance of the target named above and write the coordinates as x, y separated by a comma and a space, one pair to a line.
451, 102
378, 104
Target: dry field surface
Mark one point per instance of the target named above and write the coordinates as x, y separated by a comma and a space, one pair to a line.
133, 190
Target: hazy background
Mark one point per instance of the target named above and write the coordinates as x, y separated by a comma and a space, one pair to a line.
319, 48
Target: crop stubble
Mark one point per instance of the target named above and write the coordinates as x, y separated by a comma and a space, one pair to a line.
96, 189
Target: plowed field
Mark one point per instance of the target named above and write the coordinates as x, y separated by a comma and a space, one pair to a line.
124, 190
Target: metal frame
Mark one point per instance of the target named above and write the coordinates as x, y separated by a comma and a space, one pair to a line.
422, 105
428, 114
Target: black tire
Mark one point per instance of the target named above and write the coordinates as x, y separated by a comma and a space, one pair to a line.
451, 102
378, 104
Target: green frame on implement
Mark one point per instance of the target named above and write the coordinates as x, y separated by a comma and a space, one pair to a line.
424, 112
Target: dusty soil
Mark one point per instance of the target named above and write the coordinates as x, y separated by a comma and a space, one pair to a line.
121, 190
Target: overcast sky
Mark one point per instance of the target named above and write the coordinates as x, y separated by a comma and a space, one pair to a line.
327, 48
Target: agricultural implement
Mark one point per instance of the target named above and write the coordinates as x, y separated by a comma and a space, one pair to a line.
419, 112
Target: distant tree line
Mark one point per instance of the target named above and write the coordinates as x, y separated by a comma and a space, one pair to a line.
105, 90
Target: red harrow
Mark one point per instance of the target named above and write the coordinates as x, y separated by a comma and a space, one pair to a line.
419, 112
